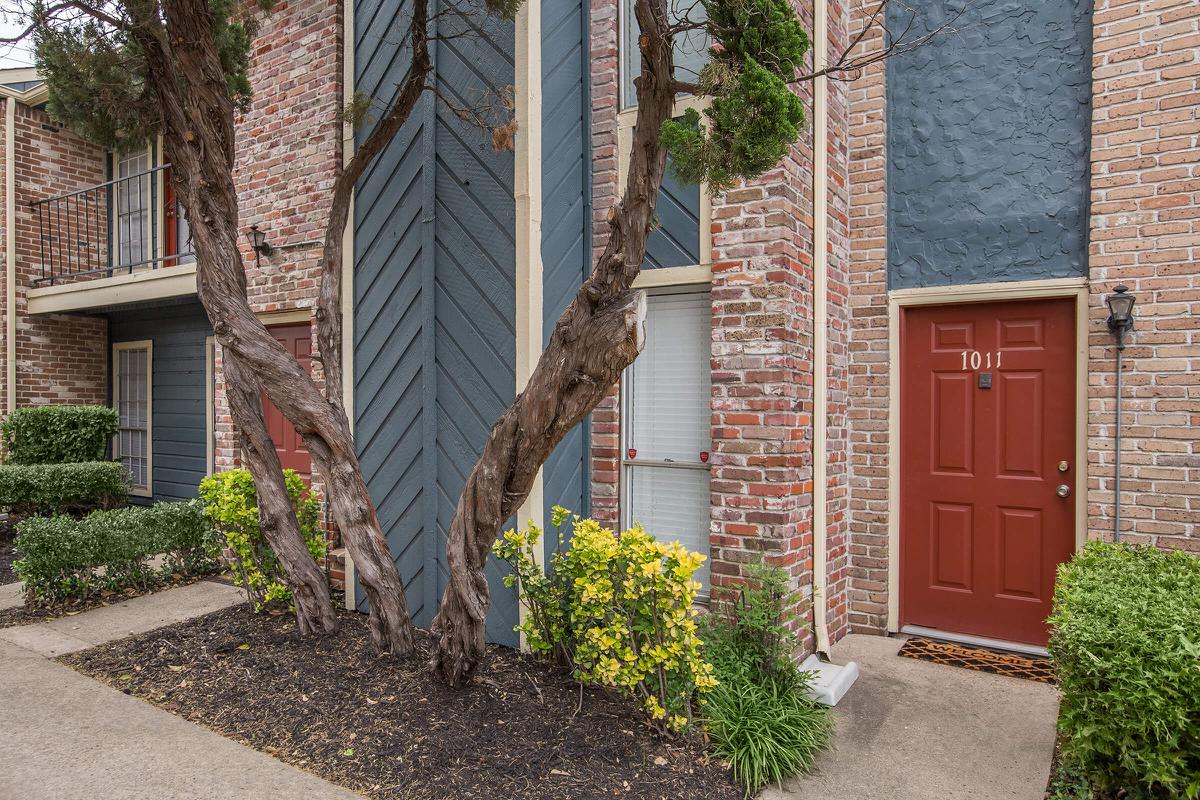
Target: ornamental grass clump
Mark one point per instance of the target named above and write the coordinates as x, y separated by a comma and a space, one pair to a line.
759, 715
1126, 650
617, 610
231, 504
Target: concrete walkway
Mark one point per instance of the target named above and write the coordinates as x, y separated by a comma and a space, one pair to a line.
66, 736
911, 730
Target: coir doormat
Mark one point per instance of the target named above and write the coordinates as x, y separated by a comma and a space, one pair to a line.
1015, 665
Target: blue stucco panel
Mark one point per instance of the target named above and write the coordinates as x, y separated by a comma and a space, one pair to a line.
988, 131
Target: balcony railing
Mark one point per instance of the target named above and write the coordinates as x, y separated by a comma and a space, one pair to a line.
120, 227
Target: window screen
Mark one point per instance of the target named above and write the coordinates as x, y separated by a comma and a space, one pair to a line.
666, 394
131, 394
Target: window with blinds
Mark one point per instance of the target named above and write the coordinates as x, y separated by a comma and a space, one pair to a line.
131, 398
666, 396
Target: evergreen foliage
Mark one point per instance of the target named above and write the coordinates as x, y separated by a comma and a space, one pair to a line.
57, 434
759, 46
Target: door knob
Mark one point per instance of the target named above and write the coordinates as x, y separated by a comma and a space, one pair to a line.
1063, 490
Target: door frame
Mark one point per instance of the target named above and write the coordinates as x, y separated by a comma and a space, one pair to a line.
900, 299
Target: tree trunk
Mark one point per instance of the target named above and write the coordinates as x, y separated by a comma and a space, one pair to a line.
595, 339
277, 518
189, 83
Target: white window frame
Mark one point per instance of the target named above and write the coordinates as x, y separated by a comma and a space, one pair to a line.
148, 345
626, 122
625, 481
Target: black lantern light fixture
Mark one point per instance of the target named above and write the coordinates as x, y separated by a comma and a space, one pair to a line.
1120, 322
258, 240
1120, 313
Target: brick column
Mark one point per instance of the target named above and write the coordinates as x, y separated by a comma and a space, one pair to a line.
868, 346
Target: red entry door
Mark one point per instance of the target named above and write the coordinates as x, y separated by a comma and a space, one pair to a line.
987, 414
297, 340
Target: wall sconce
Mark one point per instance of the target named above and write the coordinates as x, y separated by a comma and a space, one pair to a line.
258, 240
1120, 313
1120, 321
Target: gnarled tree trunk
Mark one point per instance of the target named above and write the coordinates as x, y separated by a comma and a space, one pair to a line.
277, 518
188, 81
594, 340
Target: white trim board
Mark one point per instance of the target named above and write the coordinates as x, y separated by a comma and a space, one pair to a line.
980, 293
140, 287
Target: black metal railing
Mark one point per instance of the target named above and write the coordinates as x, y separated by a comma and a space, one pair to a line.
120, 227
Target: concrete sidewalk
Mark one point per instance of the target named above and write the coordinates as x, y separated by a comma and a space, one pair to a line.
68, 634
66, 736
911, 730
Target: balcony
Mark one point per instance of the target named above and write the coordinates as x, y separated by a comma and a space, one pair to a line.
119, 242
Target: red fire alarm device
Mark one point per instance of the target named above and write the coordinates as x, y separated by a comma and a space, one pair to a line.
703, 456
632, 453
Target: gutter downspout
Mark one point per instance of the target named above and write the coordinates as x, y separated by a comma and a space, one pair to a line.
10, 254
820, 262
829, 682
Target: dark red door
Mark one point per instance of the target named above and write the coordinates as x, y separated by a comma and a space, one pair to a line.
297, 340
987, 414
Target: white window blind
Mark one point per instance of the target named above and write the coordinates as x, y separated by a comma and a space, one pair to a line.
131, 395
666, 395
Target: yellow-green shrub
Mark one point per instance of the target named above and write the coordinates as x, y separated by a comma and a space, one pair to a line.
231, 503
618, 609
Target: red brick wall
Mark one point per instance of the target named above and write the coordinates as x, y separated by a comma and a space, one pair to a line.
868, 361
288, 149
61, 358
1145, 233
289, 146
762, 347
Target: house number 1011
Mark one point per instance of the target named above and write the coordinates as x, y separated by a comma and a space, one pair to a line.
973, 359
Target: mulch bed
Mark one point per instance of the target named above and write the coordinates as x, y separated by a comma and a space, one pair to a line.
29, 614
387, 729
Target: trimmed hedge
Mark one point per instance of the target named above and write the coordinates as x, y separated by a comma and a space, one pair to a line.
50, 489
1126, 646
57, 434
63, 558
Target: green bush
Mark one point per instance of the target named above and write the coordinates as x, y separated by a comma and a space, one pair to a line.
57, 434
617, 609
50, 489
231, 504
64, 558
1126, 648
759, 716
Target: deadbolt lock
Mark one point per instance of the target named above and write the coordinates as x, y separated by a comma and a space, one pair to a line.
1063, 490
1063, 466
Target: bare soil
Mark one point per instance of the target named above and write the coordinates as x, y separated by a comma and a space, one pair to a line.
385, 728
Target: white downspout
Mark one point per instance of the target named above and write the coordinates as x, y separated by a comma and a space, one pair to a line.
820, 326
10, 254
829, 682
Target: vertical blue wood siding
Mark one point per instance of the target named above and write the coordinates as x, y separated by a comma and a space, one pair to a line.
178, 394
434, 283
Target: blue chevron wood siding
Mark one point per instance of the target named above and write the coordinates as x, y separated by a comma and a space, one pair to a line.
434, 285
566, 215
